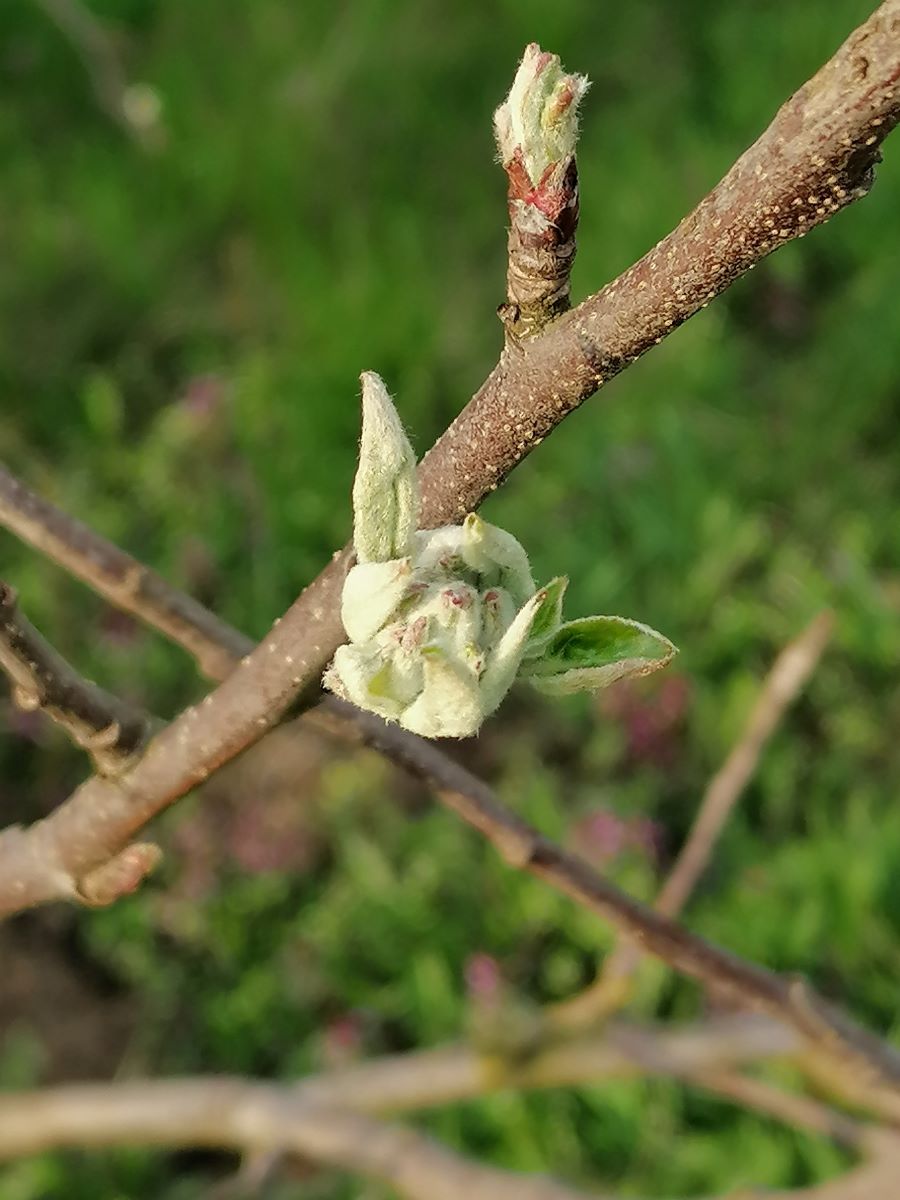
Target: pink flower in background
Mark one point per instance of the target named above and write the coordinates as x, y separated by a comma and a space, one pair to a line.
203, 397
602, 836
484, 982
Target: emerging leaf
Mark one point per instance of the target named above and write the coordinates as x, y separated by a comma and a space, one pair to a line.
504, 663
549, 616
594, 652
538, 121
385, 497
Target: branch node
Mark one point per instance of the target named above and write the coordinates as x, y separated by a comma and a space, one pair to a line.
119, 876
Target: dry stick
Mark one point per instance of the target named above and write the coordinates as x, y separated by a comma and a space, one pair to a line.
789, 673
788, 1107
816, 157
258, 1117
426, 1079
110, 730
227, 1112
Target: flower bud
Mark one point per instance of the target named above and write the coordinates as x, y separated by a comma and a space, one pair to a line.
441, 621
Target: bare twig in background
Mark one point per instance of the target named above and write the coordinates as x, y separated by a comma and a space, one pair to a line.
873, 1062
788, 1107
259, 1117
133, 107
110, 730
121, 579
425, 1079
255, 1116
790, 672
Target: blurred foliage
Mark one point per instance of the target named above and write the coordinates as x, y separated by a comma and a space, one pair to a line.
182, 330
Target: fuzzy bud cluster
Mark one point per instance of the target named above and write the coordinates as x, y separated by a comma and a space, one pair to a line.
440, 622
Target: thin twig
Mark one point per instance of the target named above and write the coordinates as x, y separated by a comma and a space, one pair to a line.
234, 1113
110, 730
788, 675
118, 577
802, 1112
874, 1063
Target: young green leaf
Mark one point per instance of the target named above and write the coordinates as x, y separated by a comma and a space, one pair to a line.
385, 498
549, 616
594, 652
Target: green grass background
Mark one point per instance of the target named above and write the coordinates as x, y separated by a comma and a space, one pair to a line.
181, 334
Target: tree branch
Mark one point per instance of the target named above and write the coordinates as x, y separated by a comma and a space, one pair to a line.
265, 1117
122, 580
110, 730
874, 1064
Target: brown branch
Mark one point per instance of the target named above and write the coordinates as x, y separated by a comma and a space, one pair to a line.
425, 1079
428, 1079
226, 1113
110, 730
788, 675
792, 1109
121, 579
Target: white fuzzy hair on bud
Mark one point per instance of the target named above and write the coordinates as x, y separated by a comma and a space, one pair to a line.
538, 121
385, 498
441, 621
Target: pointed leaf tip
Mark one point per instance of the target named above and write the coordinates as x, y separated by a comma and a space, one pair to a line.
593, 652
385, 495
549, 615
